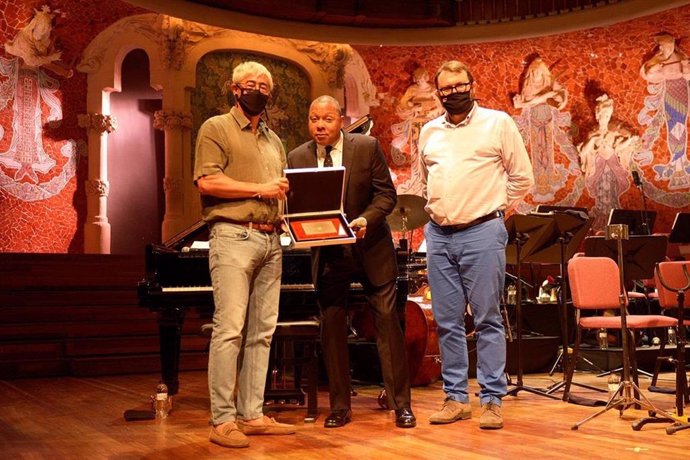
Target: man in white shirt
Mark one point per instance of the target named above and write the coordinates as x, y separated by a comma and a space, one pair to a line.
475, 166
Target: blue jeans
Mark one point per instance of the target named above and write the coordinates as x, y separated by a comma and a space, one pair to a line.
468, 266
245, 272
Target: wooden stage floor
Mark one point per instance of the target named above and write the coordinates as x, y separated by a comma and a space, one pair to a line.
74, 418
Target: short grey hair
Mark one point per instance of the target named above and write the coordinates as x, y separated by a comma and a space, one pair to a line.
250, 68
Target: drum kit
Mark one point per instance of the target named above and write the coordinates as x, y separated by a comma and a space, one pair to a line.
408, 215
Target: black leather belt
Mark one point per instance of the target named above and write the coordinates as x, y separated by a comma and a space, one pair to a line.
477, 221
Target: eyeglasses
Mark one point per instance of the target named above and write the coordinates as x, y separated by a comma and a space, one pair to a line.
457, 88
251, 85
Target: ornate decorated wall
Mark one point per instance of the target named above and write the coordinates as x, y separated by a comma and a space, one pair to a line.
42, 147
54, 110
550, 85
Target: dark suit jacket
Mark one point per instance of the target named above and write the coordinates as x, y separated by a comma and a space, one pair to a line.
369, 192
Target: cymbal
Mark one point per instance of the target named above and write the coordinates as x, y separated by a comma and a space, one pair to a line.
408, 214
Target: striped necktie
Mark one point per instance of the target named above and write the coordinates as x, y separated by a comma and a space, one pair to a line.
328, 160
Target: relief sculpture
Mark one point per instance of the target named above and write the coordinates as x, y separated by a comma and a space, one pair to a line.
418, 105
544, 127
29, 86
605, 159
667, 74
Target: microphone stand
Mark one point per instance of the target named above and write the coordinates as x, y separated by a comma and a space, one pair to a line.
638, 183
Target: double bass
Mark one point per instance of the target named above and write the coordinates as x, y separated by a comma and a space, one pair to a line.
421, 341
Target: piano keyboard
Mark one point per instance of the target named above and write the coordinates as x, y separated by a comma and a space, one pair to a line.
284, 287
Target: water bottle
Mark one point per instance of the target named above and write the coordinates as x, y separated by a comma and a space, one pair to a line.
603, 339
162, 401
671, 335
612, 384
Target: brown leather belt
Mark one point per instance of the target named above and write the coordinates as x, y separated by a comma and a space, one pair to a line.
258, 226
477, 221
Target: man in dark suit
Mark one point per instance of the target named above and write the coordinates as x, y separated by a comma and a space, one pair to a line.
368, 198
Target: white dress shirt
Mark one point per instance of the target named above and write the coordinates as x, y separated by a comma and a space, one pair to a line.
474, 168
336, 153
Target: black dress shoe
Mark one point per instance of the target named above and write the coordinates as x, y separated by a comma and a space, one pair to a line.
338, 418
404, 418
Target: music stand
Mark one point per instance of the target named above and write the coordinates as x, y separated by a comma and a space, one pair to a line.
640, 253
638, 222
569, 228
553, 208
680, 230
526, 233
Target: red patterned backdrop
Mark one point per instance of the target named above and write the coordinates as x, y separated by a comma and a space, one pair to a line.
585, 62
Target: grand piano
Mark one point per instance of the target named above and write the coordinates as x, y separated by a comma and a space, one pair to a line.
177, 279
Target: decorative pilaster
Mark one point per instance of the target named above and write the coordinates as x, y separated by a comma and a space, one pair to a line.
96, 226
177, 125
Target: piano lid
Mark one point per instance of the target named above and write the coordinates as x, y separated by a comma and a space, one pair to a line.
196, 232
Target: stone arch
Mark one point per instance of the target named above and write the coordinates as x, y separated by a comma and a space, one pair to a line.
174, 48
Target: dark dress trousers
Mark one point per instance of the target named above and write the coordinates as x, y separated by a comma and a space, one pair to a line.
369, 192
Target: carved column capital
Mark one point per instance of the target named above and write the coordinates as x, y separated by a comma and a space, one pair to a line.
97, 187
172, 119
97, 122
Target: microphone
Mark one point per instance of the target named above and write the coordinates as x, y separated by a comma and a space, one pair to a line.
636, 179
638, 183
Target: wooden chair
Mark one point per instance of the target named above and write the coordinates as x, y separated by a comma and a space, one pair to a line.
594, 286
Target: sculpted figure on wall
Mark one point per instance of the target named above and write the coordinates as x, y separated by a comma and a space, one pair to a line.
418, 105
23, 81
667, 74
34, 44
544, 127
605, 160
540, 87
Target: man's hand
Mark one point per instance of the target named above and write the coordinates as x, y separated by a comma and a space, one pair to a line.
277, 188
359, 226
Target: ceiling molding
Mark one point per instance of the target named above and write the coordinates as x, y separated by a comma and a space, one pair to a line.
526, 28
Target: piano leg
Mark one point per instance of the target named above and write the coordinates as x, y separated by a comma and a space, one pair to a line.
312, 381
170, 321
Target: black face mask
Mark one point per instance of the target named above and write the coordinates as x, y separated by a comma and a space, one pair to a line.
252, 101
458, 103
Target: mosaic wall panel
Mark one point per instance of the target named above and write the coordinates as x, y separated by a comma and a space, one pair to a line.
585, 64
43, 206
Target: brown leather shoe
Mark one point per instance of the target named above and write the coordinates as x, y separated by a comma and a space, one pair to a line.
450, 412
228, 435
491, 418
265, 425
